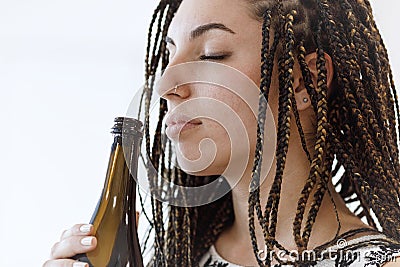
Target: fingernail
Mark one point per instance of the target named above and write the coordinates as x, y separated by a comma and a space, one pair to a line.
87, 241
80, 264
85, 228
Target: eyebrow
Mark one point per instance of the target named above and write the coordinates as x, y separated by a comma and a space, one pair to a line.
202, 29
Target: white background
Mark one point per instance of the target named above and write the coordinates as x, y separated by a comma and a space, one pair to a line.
67, 68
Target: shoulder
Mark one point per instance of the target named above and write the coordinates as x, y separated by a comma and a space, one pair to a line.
394, 263
369, 250
375, 250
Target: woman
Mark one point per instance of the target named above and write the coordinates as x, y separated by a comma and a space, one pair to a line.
326, 77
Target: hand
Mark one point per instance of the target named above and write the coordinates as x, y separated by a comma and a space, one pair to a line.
76, 240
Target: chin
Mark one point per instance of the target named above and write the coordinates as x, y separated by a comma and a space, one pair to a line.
199, 169
202, 173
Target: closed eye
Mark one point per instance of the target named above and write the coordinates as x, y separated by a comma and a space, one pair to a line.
213, 57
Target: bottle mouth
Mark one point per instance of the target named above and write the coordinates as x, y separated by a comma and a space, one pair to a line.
125, 125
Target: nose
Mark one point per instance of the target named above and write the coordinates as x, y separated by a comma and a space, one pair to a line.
173, 84
178, 93
176, 79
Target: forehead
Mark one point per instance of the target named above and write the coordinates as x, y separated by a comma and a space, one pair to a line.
235, 14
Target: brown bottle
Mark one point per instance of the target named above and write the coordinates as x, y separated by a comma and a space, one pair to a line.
114, 219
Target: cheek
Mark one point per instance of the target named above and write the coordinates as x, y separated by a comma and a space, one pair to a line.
248, 120
228, 137
240, 116
206, 152
249, 63
238, 129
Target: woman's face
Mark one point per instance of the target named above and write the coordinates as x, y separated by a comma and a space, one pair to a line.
221, 31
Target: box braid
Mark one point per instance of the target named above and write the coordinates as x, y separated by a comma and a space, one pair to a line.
358, 117
380, 166
363, 111
267, 59
391, 150
286, 65
190, 231
317, 168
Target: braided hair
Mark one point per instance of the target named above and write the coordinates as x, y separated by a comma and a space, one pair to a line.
356, 132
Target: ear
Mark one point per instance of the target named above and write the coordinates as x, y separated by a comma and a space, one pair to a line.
299, 88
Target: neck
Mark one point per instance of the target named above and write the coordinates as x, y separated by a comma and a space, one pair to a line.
294, 177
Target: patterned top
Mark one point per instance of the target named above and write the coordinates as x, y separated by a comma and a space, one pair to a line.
368, 251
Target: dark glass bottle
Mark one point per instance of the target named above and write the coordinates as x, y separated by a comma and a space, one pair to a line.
114, 219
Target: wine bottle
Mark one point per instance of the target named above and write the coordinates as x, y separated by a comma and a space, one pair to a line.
114, 219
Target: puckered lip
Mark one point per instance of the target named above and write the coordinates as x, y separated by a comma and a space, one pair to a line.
181, 119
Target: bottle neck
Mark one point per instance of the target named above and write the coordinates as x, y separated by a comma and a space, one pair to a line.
128, 127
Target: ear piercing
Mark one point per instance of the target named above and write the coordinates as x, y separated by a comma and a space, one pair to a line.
305, 100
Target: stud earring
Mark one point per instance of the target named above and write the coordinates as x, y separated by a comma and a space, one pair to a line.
305, 100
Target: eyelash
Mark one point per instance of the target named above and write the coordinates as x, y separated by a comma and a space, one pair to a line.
211, 57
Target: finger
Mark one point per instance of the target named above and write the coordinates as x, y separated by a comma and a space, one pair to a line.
64, 263
78, 230
73, 245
